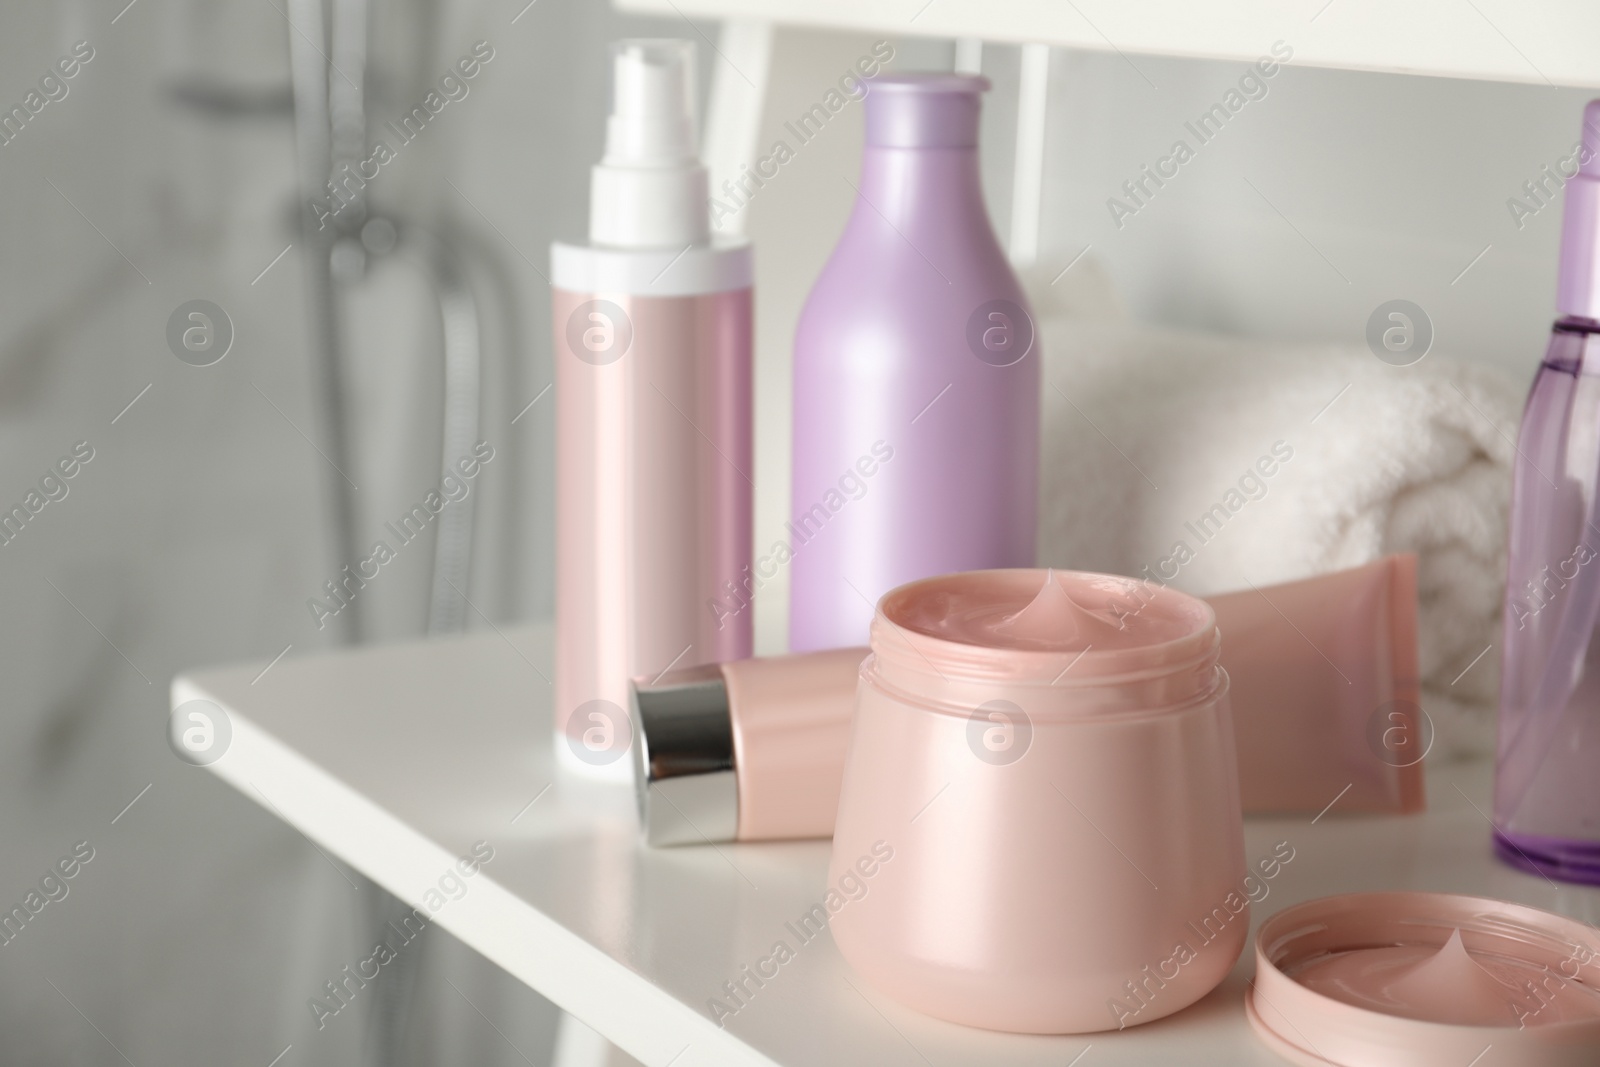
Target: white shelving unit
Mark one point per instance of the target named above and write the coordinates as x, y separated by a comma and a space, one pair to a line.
397, 759
1536, 42
1533, 41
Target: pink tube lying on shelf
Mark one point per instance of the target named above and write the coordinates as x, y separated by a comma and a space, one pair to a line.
1325, 690
751, 750
1324, 693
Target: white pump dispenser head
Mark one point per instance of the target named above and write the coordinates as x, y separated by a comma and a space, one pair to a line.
650, 190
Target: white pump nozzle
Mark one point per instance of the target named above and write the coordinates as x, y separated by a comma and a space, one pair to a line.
650, 190
652, 103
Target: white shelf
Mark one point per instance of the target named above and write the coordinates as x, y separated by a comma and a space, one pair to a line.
1534, 41
396, 759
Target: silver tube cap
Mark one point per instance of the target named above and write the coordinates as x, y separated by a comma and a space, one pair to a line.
683, 758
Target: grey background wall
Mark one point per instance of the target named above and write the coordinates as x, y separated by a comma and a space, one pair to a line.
202, 927
199, 530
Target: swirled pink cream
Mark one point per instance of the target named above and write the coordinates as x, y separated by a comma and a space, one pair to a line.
1450, 984
1068, 611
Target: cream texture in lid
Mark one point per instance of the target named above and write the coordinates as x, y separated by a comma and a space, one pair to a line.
1425, 979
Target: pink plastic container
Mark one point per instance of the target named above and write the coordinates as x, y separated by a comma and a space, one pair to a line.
1050, 759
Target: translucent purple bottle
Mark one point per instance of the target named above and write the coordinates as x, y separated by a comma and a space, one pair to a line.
1547, 770
916, 376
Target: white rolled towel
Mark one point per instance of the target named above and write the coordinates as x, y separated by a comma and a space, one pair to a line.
1154, 438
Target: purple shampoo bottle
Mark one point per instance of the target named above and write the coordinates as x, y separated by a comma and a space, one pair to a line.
1547, 769
916, 376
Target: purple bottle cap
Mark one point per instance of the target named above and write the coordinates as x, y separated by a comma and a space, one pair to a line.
1589, 160
924, 110
1578, 282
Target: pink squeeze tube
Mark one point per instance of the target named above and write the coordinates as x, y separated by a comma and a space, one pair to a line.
652, 328
751, 750
758, 747
1325, 690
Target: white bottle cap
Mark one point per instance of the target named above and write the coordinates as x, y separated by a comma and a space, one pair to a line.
650, 190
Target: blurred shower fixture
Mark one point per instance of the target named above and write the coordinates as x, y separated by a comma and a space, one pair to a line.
308, 74
330, 114
460, 320
220, 100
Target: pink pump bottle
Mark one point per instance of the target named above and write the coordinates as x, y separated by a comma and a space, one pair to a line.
652, 325
916, 344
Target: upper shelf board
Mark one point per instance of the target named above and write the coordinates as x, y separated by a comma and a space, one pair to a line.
1539, 42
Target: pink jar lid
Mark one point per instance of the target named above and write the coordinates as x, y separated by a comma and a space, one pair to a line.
1426, 980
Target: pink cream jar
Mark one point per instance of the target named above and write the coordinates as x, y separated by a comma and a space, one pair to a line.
1048, 760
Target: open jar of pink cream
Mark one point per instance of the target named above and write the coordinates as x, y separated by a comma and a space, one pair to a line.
1040, 803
